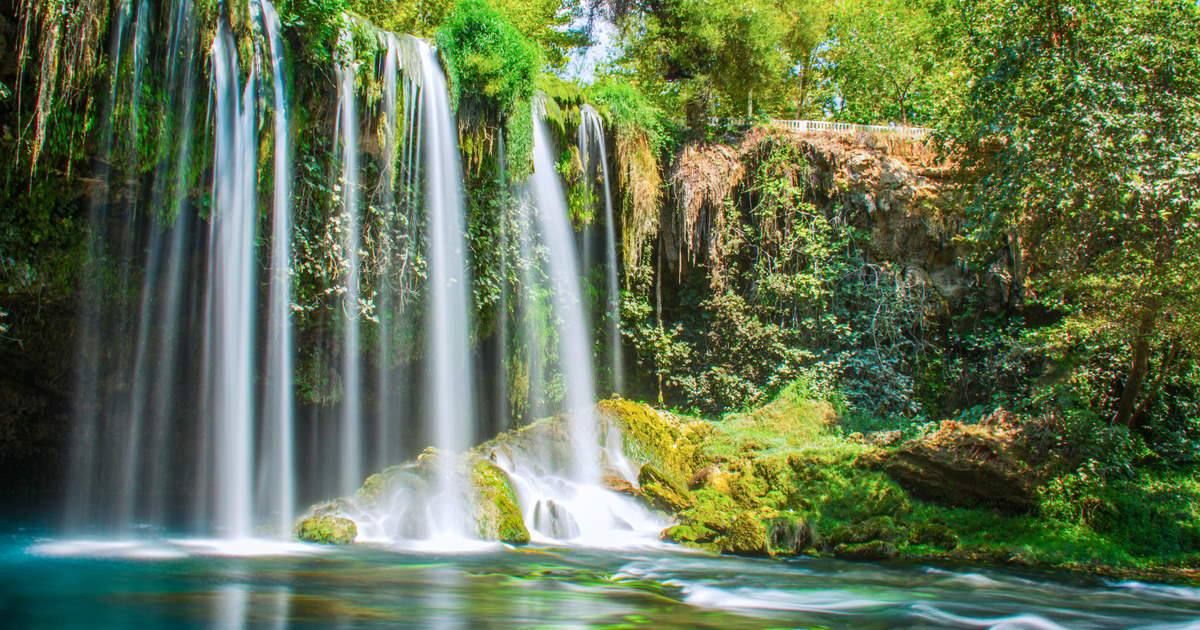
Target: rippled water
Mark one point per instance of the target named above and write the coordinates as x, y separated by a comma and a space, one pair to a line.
190, 583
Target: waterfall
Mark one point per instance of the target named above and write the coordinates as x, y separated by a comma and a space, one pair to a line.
591, 142
231, 288
124, 393
574, 340
384, 383
449, 391
351, 470
87, 402
278, 457
133, 408
173, 407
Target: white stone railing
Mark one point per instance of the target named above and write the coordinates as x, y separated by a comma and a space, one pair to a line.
804, 126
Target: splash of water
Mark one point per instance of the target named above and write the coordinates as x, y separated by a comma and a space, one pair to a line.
351, 471
384, 383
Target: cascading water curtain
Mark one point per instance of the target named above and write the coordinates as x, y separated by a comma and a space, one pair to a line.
593, 155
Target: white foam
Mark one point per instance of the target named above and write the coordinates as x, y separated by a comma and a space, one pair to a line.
825, 601
1013, 622
1186, 593
171, 549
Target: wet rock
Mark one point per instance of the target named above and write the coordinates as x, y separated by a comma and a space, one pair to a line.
620, 524
428, 458
327, 530
874, 551
965, 465
620, 485
497, 513
554, 520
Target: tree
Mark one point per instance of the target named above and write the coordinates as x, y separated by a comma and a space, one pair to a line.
805, 36
1081, 132
889, 60
708, 57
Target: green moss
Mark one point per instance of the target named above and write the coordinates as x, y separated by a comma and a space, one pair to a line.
711, 509
327, 530
933, 535
873, 550
652, 437
692, 535
497, 513
746, 536
875, 528
664, 491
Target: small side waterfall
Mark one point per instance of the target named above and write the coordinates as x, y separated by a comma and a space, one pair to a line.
384, 384
449, 391
90, 408
593, 154
574, 340
278, 456
351, 471
231, 288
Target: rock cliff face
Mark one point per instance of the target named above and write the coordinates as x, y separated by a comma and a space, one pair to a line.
892, 190
903, 203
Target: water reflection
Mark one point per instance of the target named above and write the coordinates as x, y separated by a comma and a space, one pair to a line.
230, 606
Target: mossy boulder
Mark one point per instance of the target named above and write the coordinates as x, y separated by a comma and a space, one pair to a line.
497, 513
663, 491
378, 485
874, 550
327, 530
966, 466
654, 437
692, 535
746, 536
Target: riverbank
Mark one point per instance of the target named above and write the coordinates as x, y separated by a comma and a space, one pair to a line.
787, 479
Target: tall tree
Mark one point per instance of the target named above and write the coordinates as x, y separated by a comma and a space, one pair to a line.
806, 24
1082, 132
889, 61
709, 57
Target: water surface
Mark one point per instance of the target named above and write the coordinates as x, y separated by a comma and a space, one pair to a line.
193, 584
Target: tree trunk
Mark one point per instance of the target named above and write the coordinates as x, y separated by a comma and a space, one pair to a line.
1138, 369
1016, 252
